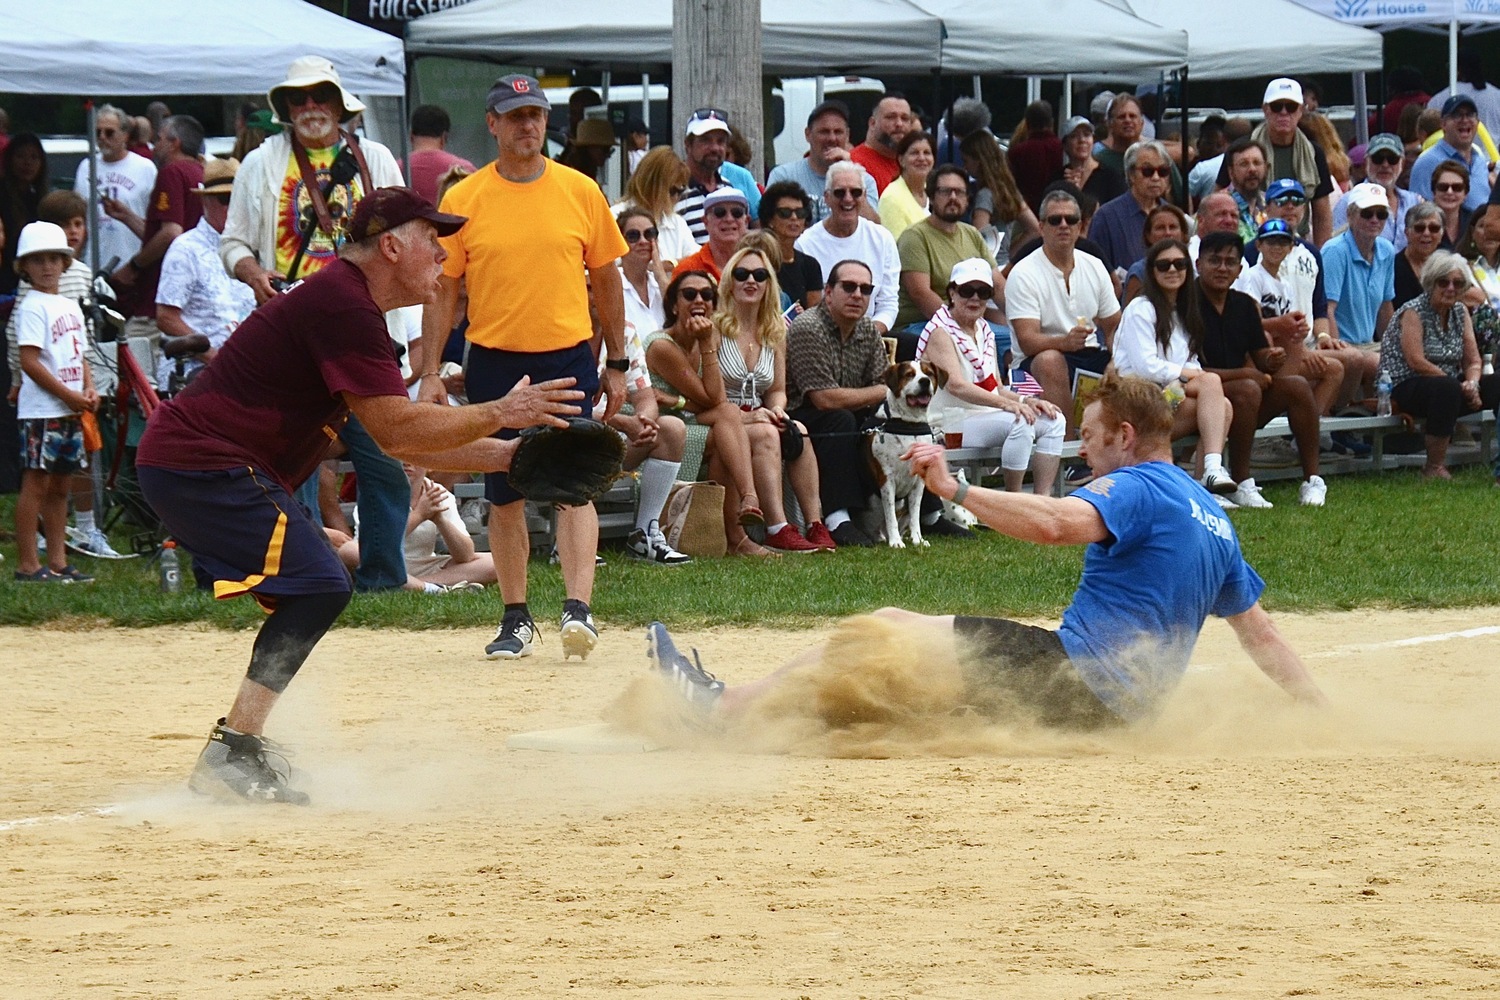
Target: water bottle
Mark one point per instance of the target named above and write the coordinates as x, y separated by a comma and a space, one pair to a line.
1383, 394
171, 568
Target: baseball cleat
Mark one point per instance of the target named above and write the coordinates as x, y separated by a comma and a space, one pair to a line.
579, 636
513, 638
239, 767
697, 686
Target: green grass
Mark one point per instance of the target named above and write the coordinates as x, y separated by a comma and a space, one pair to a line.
1386, 540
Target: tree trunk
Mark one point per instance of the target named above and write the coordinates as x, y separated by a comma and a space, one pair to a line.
716, 63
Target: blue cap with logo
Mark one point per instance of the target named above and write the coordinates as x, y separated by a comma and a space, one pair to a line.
1283, 187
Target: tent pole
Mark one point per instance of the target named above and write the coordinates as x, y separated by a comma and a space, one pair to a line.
93, 125
978, 86
1361, 108
1453, 55
1182, 87
646, 99
1065, 105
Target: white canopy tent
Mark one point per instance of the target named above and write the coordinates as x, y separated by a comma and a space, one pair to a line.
1285, 39
1451, 16
638, 36
91, 47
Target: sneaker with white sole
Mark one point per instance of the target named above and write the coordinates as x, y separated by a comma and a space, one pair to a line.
1313, 492
1218, 482
579, 635
241, 767
513, 638
650, 544
697, 686
1225, 503
94, 543
1249, 495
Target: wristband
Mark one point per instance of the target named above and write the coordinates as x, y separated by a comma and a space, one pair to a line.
431, 374
961, 492
622, 365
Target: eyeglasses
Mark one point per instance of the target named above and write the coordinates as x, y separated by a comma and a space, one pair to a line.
1217, 262
1430, 228
1294, 200
1450, 188
719, 211
951, 192
1464, 116
760, 274
106, 133
1154, 171
974, 290
1284, 108
1375, 213
853, 194
794, 213
1162, 266
323, 93
634, 236
851, 287
1385, 159
695, 293
1452, 284
1058, 221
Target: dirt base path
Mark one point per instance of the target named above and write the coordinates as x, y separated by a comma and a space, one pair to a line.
1237, 848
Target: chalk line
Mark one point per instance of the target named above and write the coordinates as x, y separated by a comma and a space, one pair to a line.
15, 824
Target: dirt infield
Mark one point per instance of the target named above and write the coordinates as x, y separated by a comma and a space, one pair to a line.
1238, 848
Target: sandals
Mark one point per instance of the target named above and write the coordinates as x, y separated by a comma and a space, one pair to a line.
750, 513
746, 547
68, 574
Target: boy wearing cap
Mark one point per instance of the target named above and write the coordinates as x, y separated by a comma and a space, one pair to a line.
705, 145
57, 386
220, 461
534, 228
1460, 126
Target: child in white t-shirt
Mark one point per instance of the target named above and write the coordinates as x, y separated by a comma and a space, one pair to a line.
56, 386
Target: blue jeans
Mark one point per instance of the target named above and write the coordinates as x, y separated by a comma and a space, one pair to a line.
384, 501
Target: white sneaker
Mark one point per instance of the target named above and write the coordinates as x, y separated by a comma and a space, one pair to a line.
93, 543
1219, 483
1225, 502
651, 545
1313, 492
1248, 495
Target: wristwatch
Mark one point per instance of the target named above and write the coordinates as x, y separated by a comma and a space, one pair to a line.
620, 366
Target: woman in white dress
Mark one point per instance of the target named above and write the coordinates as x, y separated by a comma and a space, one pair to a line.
959, 342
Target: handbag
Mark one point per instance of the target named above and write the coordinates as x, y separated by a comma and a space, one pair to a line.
694, 519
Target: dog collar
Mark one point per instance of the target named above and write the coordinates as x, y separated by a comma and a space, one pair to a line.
906, 428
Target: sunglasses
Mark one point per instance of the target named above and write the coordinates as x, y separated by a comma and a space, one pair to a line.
693, 294
323, 94
720, 211
850, 287
1058, 221
1375, 213
760, 274
1452, 284
106, 133
634, 236
1451, 187
974, 290
1295, 200
852, 194
794, 213
1162, 266
1431, 228
951, 192
709, 115
1154, 171
1284, 108
1385, 159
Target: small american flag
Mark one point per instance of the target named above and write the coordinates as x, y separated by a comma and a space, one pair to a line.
1022, 384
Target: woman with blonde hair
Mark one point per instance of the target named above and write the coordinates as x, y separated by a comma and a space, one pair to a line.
752, 360
655, 186
997, 202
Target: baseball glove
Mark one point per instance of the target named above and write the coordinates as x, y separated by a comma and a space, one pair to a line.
569, 466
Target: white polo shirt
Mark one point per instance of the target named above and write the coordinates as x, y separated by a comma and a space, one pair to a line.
1037, 290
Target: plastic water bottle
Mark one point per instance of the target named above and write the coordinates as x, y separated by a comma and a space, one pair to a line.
171, 568
1383, 394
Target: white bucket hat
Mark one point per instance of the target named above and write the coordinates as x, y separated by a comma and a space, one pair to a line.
304, 74
42, 237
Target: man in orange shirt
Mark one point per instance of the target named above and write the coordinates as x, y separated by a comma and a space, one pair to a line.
534, 228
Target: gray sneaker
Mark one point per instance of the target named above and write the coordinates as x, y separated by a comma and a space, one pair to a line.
697, 686
94, 543
513, 638
241, 767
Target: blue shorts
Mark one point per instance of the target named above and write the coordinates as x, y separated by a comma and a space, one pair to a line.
1090, 359
246, 531
491, 374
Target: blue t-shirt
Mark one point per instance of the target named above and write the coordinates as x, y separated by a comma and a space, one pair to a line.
1357, 285
1172, 559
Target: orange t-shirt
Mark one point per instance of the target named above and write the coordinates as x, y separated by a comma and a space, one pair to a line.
524, 250
703, 260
